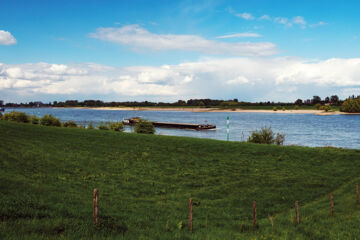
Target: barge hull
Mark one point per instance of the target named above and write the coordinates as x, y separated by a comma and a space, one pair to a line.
174, 125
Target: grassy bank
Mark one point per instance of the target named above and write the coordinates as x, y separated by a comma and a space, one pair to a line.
47, 176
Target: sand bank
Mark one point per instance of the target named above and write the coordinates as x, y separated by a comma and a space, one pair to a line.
317, 112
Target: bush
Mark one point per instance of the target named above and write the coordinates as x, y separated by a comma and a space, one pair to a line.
296, 107
70, 124
144, 126
275, 109
34, 119
116, 126
17, 117
103, 126
351, 106
90, 126
50, 120
266, 136
280, 139
317, 106
327, 108
283, 108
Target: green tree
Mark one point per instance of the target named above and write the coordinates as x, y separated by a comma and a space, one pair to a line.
334, 99
298, 102
317, 106
351, 105
316, 100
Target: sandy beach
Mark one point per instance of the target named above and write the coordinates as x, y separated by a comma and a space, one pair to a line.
317, 112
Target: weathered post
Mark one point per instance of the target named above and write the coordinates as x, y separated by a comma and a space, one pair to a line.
331, 204
254, 213
297, 212
95, 203
357, 194
190, 214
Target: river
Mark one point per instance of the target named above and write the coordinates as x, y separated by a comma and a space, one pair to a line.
299, 129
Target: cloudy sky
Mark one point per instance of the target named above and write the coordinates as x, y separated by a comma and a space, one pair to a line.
170, 50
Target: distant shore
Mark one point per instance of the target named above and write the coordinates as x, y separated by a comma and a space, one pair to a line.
316, 112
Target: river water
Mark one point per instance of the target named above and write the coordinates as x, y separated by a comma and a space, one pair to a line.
299, 129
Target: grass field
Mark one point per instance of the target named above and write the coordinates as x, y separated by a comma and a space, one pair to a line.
47, 177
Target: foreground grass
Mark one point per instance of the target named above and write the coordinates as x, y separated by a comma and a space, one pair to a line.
47, 176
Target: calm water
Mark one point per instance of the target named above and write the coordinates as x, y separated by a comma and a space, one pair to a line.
300, 129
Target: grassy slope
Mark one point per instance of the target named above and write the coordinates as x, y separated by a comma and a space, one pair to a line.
47, 176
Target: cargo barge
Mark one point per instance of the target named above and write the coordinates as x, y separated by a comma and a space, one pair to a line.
133, 121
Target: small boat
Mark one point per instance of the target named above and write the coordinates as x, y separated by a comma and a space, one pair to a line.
134, 120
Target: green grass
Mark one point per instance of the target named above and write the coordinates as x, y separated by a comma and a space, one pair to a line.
47, 177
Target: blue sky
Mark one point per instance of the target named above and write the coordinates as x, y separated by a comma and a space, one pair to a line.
164, 50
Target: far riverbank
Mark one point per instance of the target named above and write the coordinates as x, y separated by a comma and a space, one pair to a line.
300, 111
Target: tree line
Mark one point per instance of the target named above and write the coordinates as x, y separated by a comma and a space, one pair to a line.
206, 102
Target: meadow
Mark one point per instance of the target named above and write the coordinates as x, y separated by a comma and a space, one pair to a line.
48, 174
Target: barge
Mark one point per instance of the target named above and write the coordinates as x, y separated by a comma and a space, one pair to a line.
133, 121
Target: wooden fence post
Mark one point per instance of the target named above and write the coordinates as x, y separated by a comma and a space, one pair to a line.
190, 214
95, 203
254, 213
297, 212
357, 194
331, 204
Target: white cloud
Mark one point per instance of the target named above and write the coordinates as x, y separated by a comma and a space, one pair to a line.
278, 79
299, 20
283, 20
265, 17
319, 24
240, 35
238, 80
246, 16
140, 38
6, 38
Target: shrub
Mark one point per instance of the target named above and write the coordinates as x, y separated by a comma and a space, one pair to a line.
274, 108
144, 126
17, 117
351, 106
1, 115
50, 120
70, 124
116, 126
266, 136
34, 119
280, 139
283, 108
296, 107
90, 126
317, 106
103, 126
327, 108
